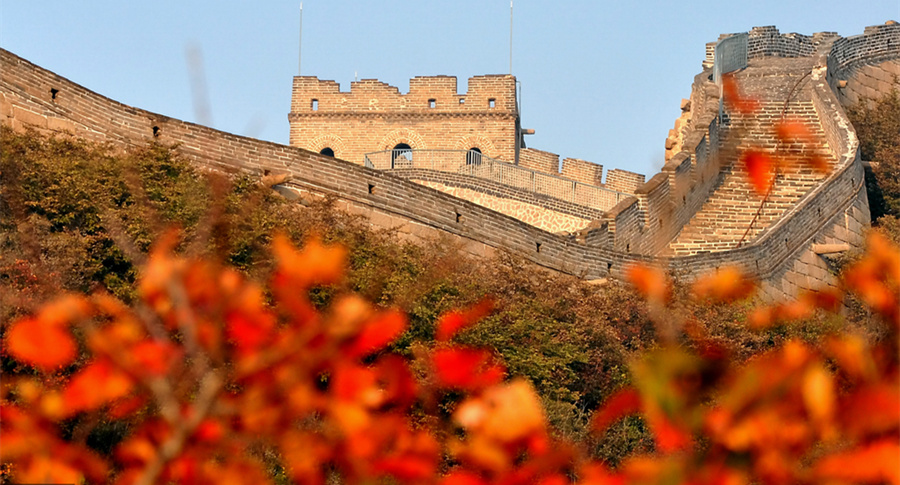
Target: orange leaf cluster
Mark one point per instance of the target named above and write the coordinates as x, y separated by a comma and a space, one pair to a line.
228, 373
216, 383
796, 414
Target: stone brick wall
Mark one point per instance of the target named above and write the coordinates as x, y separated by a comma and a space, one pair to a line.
488, 187
539, 160
867, 65
373, 116
623, 180
767, 41
583, 171
531, 214
868, 81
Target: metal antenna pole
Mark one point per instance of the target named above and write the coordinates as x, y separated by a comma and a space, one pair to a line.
510, 34
300, 51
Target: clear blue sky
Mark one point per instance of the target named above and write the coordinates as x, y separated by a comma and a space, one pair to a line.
601, 81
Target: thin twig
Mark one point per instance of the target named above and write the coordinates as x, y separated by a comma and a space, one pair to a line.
209, 389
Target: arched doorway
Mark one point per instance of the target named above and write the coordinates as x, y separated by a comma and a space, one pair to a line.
473, 156
327, 151
401, 155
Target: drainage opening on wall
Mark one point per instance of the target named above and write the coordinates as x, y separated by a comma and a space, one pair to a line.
53, 93
155, 131
609, 267
371, 188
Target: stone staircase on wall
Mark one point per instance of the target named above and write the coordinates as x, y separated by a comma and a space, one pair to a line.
729, 217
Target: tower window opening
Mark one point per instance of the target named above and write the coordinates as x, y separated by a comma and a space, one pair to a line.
315, 105
432, 103
401, 156
462, 100
492, 103
473, 156
327, 151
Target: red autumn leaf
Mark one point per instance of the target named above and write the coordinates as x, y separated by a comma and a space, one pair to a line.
852, 356
465, 368
818, 163
793, 130
733, 98
408, 468
726, 284
45, 346
828, 299
396, 380
619, 405
209, 430
123, 407
44, 340
377, 334
761, 318
349, 383
153, 357
98, 383
877, 462
669, 437
314, 264
462, 478
249, 332
651, 282
874, 409
452, 322
760, 170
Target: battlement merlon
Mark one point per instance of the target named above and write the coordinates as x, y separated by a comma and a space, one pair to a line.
488, 94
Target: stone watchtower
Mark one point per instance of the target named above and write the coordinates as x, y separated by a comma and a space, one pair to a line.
374, 116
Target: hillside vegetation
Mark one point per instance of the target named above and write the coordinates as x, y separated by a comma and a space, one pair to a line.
81, 217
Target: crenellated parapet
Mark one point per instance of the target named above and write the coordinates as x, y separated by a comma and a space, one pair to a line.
428, 95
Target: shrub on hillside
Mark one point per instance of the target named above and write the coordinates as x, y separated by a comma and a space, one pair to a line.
878, 128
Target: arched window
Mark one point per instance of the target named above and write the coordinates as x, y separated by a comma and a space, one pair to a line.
327, 151
401, 155
473, 156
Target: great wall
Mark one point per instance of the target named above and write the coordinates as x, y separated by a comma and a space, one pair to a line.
437, 163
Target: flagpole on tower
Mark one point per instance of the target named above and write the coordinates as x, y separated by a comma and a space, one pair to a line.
300, 51
510, 34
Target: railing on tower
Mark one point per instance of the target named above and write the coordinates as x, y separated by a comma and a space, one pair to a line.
730, 55
474, 164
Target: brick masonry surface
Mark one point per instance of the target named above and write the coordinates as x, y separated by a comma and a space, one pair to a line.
548, 220
639, 228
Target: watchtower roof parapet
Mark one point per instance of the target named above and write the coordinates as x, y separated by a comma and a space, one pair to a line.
493, 92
